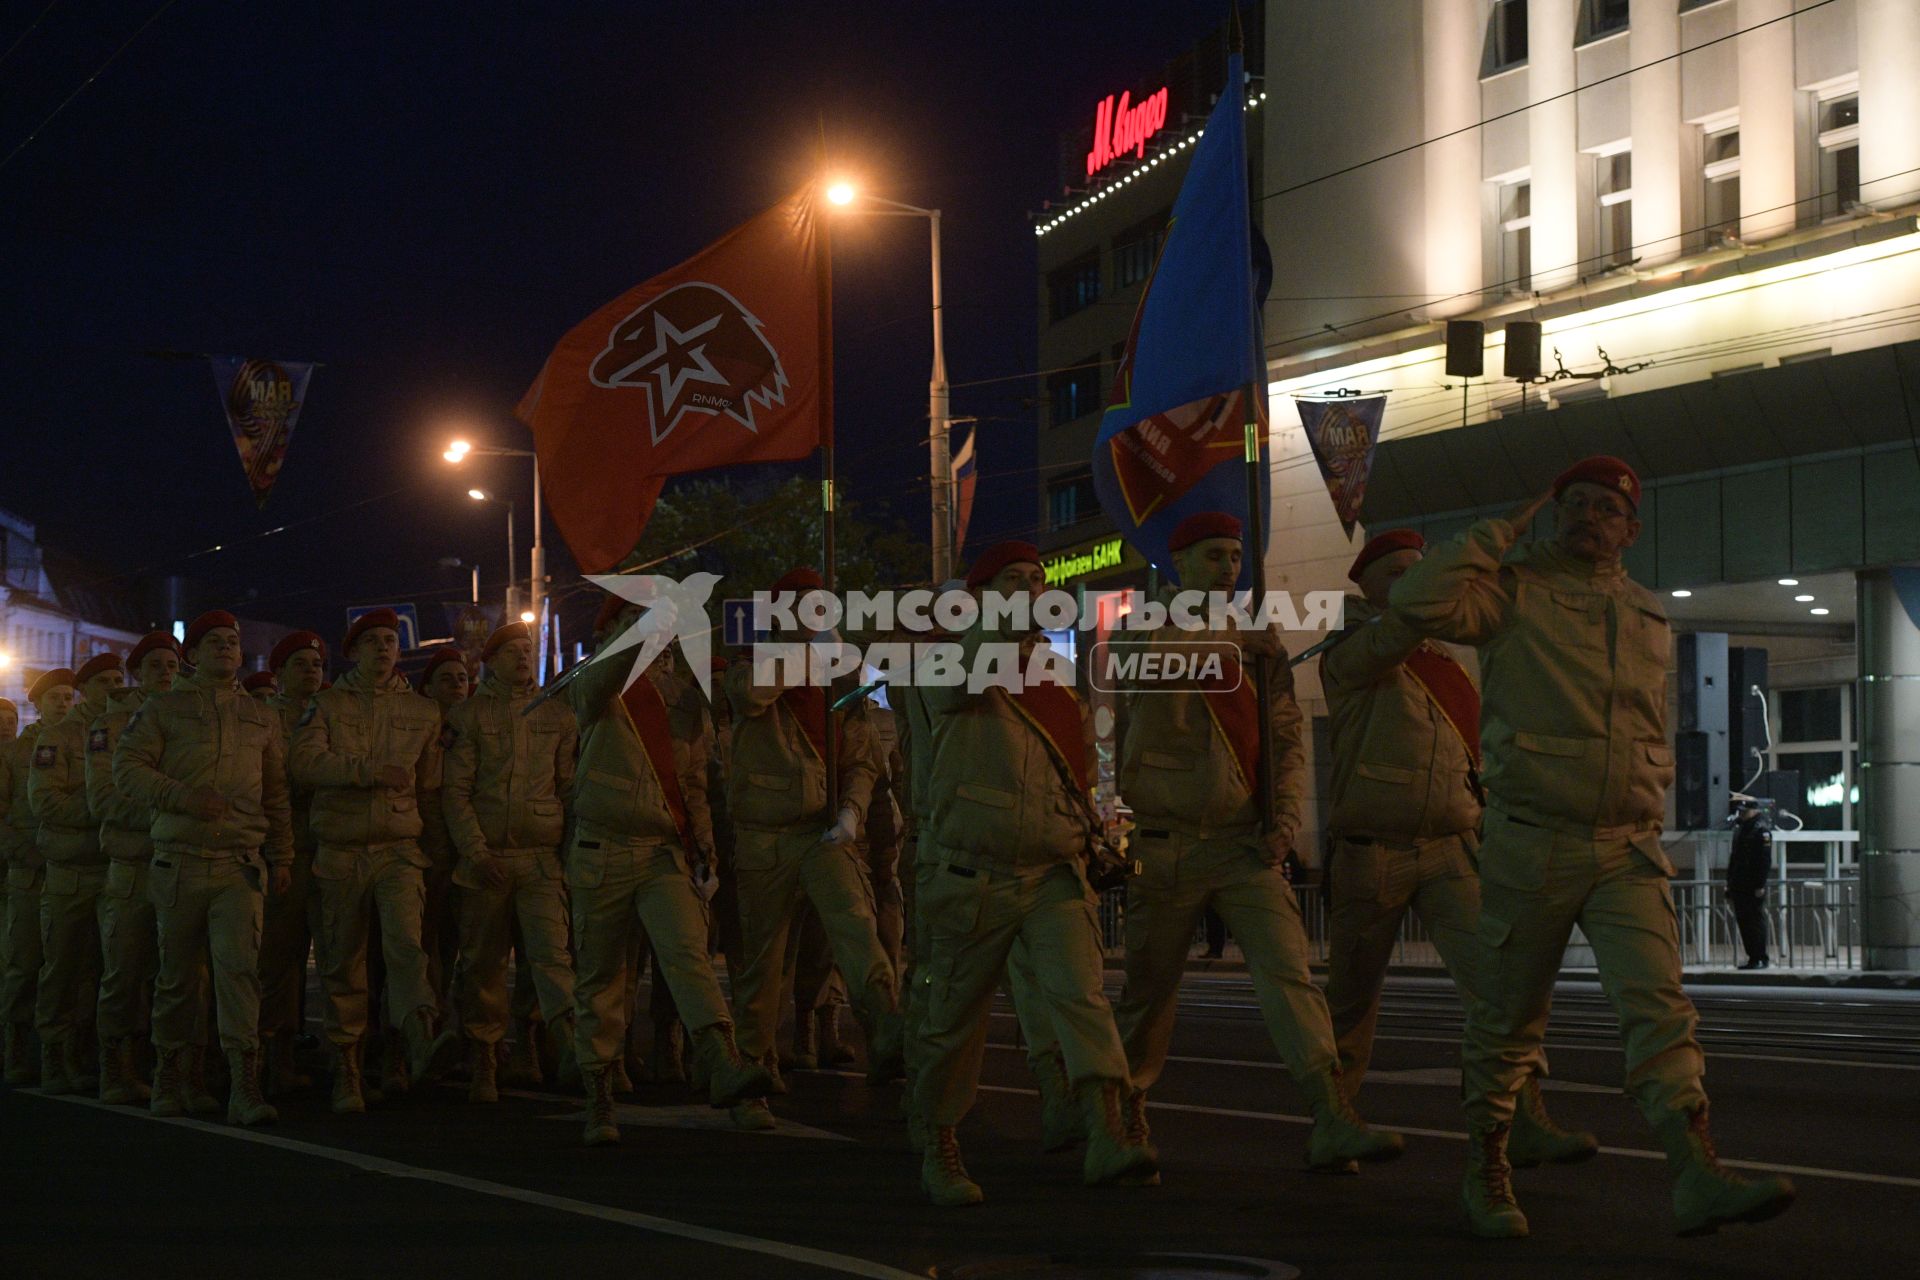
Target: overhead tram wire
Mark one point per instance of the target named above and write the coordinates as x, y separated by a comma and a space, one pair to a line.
84, 84
28, 30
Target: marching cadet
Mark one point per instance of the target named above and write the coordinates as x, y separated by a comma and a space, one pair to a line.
447, 680
1010, 824
777, 797
52, 696
76, 874
299, 664
260, 686
508, 771
1405, 820
129, 941
641, 824
1190, 769
367, 747
1573, 656
209, 763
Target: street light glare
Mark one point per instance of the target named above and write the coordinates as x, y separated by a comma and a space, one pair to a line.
457, 451
478, 495
841, 192
526, 615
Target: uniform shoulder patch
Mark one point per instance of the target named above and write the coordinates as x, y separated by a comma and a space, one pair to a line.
44, 755
97, 740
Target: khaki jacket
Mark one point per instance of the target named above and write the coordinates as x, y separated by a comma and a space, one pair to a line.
1400, 771
775, 779
994, 797
19, 844
507, 774
126, 828
350, 731
204, 734
615, 791
1177, 772
1573, 663
290, 709
57, 791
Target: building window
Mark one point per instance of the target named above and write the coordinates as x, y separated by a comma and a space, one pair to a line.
1720, 172
1506, 36
1602, 18
1839, 155
1074, 287
1613, 223
1813, 735
1071, 500
1074, 393
1136, 249
1516, 237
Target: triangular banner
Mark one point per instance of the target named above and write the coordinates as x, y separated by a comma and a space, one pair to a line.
262, 400
1344, 434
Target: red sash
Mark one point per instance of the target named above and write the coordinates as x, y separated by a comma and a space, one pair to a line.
648, 711
1054, 714
1234, 706
808, 703
1447, 683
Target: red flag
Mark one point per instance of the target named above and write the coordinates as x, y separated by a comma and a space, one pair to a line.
721, 360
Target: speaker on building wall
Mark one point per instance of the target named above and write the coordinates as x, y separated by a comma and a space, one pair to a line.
1699, 781
1703, 681
1746, 711
1466, 348
1523, 349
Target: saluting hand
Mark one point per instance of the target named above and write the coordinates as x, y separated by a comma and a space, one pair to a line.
1522, 516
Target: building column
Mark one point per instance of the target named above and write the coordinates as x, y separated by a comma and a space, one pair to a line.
1553, 142
1888, 628
1767, 141
1654, 95
1450, 62
1889, 101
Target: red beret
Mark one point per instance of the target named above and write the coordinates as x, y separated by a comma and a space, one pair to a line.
58, 678
198, 628
802, 579
98, 663
441, 657
367, 622
148, 643
1608, 473
1385, 545
501, 635
258, 680
297, 642
998, 557
1202, 525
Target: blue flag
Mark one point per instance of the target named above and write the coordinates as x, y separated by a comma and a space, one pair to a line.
1172, 443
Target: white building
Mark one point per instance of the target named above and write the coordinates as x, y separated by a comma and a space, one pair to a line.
38, 630
1721, 197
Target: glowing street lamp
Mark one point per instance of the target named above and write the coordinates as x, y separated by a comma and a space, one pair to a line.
843, 193
526, 616
481, 495
458, 451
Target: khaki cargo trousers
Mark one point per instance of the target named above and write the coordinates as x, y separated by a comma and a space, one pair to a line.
130, 952
1180, 876
361, 890
534, 896
624, 888
207, 908
974, 918
1535, 886
69, 983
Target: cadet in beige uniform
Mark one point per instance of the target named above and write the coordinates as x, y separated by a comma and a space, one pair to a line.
777, 797
641, 825
261, 686
1190, 771
367, 747
1011, 824
299, 662
1573, 658
1405, 820
507, 773
129, 941
209, 763
52, 696
76, 875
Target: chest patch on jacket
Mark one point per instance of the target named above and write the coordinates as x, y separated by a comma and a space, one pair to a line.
97, 740
43, 757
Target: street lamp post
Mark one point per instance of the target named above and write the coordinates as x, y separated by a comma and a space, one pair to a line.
481, 495
459, 451
939, 450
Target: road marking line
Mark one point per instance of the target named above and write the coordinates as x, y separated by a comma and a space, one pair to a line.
1805, 1171
840, 1262
692, 1115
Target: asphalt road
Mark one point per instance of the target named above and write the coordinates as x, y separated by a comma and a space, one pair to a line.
1826, 1087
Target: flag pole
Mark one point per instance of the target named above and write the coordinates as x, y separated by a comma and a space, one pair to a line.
823, 267
1255, 451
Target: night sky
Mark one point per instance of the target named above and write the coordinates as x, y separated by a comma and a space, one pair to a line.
424, 197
